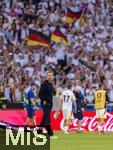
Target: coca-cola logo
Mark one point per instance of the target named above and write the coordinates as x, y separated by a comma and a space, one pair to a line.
90, 123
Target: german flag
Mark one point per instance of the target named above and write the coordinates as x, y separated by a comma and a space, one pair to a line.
36, 38
58, 37
70, 16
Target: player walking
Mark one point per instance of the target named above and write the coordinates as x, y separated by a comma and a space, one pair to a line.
80, 104
100, 105
66, 101
31, 105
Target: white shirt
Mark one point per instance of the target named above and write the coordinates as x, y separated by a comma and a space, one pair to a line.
90, 95
30, 71
111, 95
18, 95
68, 98
52, 17
36, 57
75, 61
60, 53
50, 59
7, 93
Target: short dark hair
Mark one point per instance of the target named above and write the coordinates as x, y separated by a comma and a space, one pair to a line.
69, 86
33, 84
101, 86
49, 71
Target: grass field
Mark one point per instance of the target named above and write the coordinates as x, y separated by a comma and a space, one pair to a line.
82, 141
73, 141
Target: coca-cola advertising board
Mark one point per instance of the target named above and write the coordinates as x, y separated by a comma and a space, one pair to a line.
89, 122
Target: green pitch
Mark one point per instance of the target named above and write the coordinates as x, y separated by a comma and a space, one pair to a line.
82, 141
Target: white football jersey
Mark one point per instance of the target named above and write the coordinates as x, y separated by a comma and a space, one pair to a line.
68, 99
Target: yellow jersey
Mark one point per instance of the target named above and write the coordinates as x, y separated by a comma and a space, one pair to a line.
100, 99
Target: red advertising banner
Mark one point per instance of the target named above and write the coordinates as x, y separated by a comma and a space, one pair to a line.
89, 122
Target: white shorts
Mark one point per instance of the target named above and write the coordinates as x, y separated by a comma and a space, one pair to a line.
101, 113
67, 114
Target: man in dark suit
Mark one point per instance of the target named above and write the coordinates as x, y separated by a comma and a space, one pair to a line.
46, 94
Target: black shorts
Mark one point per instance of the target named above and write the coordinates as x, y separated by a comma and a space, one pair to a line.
30, 113
79, 115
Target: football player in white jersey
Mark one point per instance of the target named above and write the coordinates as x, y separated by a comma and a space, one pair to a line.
66, 102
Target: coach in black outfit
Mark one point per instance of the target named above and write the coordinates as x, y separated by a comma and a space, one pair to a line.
46, 94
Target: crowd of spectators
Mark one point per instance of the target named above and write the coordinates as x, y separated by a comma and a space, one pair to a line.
87, 61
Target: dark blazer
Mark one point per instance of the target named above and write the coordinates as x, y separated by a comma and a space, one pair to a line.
46, 93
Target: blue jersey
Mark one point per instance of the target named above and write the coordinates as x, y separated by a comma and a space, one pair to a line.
79, 103
30, 94
79, 100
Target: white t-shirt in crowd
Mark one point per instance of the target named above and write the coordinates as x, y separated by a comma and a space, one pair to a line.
30, 71
60, 53
111, 95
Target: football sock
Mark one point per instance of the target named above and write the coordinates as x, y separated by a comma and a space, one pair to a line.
66, 128
99, 128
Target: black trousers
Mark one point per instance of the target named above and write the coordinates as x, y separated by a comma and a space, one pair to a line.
46, 123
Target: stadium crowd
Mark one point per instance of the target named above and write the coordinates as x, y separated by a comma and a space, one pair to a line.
87, 61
